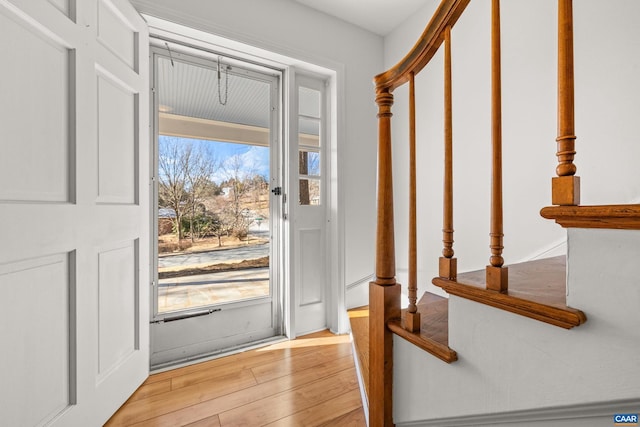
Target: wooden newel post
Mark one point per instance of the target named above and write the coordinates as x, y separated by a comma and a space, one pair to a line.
385, 246
565, 188
384, 292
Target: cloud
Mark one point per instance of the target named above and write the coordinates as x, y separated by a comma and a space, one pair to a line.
253, 161
256, 160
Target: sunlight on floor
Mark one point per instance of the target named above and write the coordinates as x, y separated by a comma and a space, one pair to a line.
330, 339
356, 312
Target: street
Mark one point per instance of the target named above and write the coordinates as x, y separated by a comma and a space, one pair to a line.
214, 257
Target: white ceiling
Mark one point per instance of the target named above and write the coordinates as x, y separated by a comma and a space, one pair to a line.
377, 16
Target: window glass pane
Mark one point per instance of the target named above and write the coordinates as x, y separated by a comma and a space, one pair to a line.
308, 132
309, 163
309, 102
213, 183
309, 192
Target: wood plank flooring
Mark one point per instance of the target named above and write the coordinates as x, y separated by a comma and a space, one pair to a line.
359, 320
310, 381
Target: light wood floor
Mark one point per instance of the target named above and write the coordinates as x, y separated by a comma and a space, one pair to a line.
359, 320
310, 381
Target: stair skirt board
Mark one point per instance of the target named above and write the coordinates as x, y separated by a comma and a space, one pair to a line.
363, 393
596, 414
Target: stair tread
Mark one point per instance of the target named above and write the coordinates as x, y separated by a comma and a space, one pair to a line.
434, 327
543, 280
537, 289
434, 317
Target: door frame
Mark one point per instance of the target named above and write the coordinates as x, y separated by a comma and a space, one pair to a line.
289, 61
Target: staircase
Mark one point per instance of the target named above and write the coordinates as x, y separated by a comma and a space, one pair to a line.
551, 342
518, 371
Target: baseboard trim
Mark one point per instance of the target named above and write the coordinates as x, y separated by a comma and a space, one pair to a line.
359, 282
363, 393
580, 413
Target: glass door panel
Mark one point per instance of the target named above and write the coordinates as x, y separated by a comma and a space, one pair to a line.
213, 185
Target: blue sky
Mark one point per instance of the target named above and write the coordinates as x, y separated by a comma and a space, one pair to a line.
255, 158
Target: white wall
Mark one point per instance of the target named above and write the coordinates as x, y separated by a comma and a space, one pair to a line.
607, 108
288, 28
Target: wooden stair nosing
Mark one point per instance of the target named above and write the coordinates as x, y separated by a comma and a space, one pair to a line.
565, 317
441, 351
434, 330
625, 217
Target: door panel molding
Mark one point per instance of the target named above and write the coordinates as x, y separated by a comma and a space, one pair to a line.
55, 227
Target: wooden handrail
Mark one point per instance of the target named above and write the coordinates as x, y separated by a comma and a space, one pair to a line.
446, 15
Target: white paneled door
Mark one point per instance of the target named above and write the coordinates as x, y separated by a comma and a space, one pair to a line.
309, 207
74, 204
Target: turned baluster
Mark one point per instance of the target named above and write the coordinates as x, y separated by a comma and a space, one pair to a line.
447, 263
566, 186
496, 274
412, 317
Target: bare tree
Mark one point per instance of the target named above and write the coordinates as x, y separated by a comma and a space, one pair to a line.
171, 179
239, 177
200, 165
309, 170
184, 176
303, 168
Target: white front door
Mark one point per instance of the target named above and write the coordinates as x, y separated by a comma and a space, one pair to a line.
74, 202
308, 204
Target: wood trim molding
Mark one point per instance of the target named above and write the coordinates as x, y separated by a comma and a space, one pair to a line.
537, 290
432, 334
441, 351
625, 217
427, 45
565, 317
